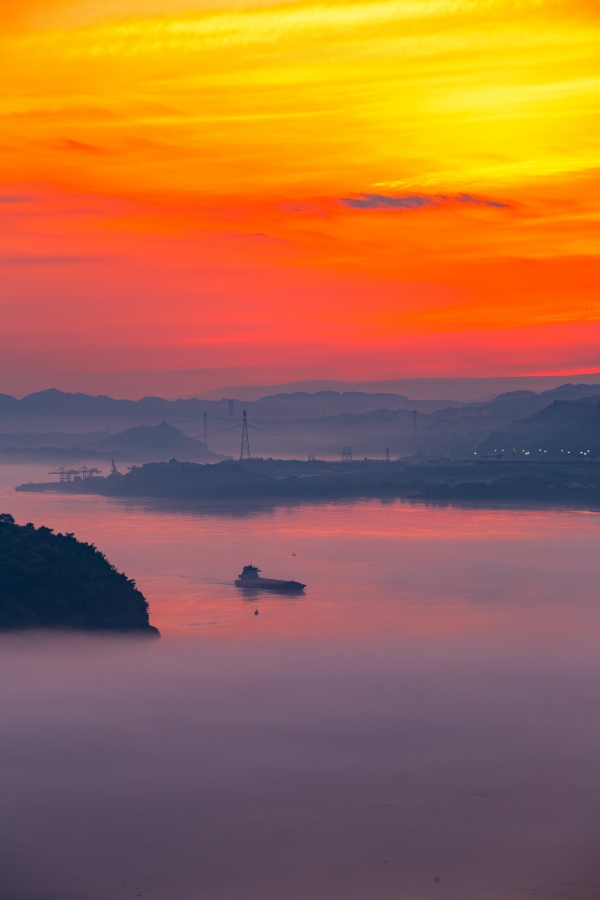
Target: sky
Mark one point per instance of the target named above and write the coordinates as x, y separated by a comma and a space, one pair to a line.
195, 194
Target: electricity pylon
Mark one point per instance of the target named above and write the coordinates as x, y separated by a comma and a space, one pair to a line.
245, 448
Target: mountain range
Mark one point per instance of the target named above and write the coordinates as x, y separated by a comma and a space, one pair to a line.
565, 428
285, 425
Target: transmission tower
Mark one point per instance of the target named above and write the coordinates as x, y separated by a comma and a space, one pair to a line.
206, 429
387, 454
245, 448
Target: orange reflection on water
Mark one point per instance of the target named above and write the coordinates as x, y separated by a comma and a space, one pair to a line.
371, 568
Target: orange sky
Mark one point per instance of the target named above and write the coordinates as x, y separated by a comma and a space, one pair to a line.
194, 194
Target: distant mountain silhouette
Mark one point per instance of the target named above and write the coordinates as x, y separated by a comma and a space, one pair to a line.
142, 443
565, 428
464, 390
153, 443
458, 431
335, 403
281, 424
57, 405
53, 402
507, 407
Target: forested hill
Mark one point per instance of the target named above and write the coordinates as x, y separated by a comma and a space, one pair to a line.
565, 428
55, 581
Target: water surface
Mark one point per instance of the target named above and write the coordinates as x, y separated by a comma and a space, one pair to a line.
422, 723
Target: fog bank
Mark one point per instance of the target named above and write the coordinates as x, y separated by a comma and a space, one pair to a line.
195, 769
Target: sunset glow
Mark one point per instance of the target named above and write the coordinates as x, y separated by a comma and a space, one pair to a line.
291, 190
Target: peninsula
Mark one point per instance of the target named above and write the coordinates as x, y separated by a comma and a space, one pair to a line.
554, 481
53, 581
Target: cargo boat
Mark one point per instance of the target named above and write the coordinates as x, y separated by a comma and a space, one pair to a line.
251, 579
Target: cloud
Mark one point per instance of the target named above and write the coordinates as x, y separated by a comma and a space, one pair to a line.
382, 201
29, 259
417, 201
478, 201
16, 198
79, 147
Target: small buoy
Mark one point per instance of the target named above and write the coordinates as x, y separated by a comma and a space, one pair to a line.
293, 554
255, 612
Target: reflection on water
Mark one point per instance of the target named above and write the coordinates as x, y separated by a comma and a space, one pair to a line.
422, 723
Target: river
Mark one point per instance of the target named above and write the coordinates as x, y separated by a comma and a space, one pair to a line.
422, 723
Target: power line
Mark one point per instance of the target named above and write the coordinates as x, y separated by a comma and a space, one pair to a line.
297, 440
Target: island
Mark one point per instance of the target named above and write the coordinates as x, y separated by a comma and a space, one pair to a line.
54, 581
563, 482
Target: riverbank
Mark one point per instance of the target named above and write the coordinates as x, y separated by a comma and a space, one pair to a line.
573, 483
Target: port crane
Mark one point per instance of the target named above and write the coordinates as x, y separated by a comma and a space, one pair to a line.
81, 474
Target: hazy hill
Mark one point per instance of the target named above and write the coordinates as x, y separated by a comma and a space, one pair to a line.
142, 443
457, 432
464, 390
565, 428
54, 581
54, 410
291, 424
155, 443
59, 407
334, 403
505, 408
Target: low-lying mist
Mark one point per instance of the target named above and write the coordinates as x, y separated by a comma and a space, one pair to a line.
189, 769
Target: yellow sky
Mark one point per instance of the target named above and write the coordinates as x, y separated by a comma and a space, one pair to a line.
316, 96
311, 124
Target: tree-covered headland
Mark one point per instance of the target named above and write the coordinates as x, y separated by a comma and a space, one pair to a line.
54, 581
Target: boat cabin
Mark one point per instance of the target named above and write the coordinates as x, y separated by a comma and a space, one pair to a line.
250, 572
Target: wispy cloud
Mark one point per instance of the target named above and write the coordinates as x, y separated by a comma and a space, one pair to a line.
30, 259
477, 201
16, 198
382, 201
417, 201
78, 147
